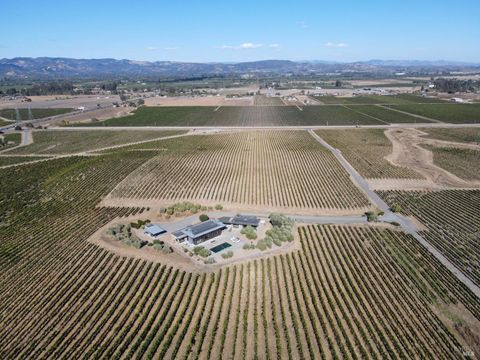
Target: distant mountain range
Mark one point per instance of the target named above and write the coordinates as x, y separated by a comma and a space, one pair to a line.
56, 68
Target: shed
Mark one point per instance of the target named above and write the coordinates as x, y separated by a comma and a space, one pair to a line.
153, 230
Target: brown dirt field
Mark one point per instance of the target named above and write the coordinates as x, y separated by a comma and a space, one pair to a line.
407, 153
101, 114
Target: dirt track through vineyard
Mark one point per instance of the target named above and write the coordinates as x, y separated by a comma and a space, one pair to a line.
407, 152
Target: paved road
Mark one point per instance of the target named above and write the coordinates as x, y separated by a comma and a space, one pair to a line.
407, 225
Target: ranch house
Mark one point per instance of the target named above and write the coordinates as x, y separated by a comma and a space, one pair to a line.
196, 234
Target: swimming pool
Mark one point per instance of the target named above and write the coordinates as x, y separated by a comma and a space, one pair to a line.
220, 247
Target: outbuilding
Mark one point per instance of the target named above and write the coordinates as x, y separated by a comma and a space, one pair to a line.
153, 230
241, 220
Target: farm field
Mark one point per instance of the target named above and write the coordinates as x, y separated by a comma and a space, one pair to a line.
14, 138
9, 160
365, 150
464, 163
336, 115
4, 122
452, 218
377, 99
385, 115
36, 113
462, 135
250, 116
349, 292
259, 169
449, 113
262, 100
60, 142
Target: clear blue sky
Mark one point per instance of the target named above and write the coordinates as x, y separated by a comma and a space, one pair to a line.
242, 30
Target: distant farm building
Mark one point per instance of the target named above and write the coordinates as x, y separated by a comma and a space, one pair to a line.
199, 233
153, 230
241, 220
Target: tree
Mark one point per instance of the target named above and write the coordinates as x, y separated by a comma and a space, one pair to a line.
203, 217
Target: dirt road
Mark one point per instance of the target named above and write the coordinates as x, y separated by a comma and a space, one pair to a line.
408, 153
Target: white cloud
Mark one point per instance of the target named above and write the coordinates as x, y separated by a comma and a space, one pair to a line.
274, 46
250, 46
154, 48
247, 45
335, 45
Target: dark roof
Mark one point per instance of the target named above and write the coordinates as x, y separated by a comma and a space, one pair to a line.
203, 228
179, 234
225, 219
245, 220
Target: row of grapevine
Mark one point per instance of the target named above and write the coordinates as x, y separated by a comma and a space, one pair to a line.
273, 169
452, 218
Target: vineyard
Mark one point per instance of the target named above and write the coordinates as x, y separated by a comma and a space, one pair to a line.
386, 115
365, 149
270, 115
462, 135
59, 142
452, 218
449, 113
4, 122
464, 163
11, 114
9, 160
377, 99
262, 100
349, 292
263, 169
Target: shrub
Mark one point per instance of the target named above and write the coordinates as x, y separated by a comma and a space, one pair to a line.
201, 251
261, 245
371, 216
280, 220
249, 232
227, 255
203, 217
218, 207
210, 260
